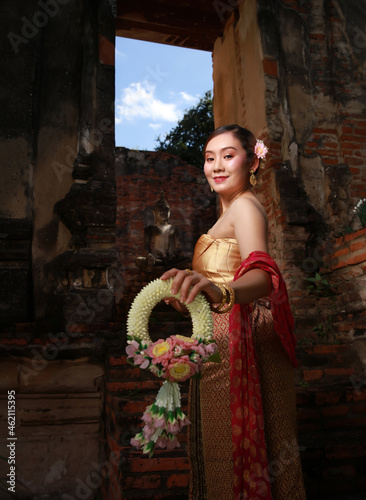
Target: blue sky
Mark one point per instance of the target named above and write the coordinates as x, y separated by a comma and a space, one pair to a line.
155, 84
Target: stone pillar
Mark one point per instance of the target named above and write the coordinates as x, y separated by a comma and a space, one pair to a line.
57, 220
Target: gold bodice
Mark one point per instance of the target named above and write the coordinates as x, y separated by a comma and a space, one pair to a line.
217, 259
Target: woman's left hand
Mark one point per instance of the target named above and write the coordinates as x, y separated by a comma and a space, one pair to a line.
190, 283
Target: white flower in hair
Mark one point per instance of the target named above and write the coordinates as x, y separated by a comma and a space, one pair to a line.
260, 149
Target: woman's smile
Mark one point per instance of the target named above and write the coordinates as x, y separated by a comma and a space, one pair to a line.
220, 179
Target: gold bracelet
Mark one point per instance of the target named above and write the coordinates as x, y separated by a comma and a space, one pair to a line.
223, 300
231, 303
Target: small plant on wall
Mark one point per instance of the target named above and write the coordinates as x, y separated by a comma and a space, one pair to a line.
319, 287
360, 211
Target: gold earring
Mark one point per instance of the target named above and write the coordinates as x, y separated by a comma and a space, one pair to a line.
211, 189
253, 180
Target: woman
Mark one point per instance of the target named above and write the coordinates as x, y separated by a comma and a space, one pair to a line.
243, 438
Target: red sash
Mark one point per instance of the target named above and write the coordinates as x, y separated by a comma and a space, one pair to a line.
251, 476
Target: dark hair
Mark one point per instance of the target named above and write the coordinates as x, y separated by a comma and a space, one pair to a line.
244, 136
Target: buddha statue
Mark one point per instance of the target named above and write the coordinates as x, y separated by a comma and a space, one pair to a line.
162, 240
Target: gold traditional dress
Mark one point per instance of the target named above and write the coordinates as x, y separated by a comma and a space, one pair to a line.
210, 433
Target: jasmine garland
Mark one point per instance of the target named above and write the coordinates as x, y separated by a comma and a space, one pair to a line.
175, 359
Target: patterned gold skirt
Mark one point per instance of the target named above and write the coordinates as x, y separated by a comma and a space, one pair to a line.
210, 439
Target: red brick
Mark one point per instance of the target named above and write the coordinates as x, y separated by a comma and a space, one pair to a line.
142, 482
325, 131
116, 361
317, 36
330, 161
308, 414
347, 130
134, 407
354, 161
158, 464
352, 236
349, 137
359, 407
352, 152
357, 246
312, 375
345, 451
314, 425
92, 327
13, 342
325, 349
342, 471
340, 372
130, 386
327, 152
326, 398
302, 397
338, 253
106, 51
351, 145
178, 480
354, 170
360, 131
129, 373
356, 259
345, 422
270, 67
335, 411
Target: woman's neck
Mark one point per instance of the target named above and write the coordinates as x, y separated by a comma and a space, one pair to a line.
226, 201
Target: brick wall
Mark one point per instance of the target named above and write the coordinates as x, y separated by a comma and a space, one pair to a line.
141, 176
331, 379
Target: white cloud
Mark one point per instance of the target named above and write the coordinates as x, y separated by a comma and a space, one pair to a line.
120, 54
187, 97
155, 125
138, 101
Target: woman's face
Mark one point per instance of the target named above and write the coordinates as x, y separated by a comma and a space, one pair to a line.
226, 165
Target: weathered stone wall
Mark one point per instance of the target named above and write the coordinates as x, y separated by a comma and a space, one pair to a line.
308, 60
57, 219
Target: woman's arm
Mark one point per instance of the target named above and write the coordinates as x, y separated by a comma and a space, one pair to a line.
251, 232
251, 286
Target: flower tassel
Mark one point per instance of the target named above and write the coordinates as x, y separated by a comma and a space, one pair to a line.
163, 420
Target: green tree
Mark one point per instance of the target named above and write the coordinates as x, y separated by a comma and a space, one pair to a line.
187, 139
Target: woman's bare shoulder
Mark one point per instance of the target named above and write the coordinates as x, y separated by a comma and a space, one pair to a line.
250, 226
247, 207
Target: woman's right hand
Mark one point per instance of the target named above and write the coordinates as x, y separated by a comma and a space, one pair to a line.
189, 283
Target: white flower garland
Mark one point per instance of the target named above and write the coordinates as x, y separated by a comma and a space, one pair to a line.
152, 294
176, 359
